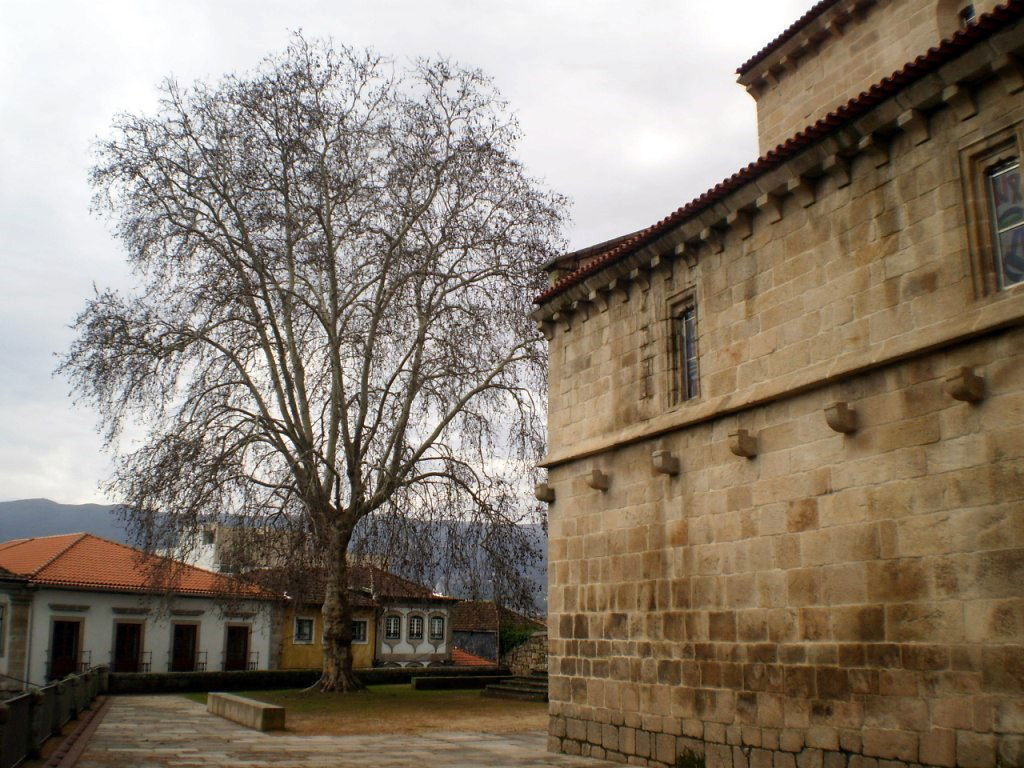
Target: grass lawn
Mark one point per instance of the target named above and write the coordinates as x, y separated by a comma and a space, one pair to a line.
399, 709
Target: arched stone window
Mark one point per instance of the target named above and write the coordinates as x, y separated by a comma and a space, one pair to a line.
414, 631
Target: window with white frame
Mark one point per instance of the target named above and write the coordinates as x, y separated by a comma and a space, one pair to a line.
437, 628
393, 627
359, 630
303, 630
415, 627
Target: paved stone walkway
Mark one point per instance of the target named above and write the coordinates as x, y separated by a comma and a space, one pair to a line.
162, 731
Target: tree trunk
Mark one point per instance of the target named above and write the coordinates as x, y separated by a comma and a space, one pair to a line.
337, 615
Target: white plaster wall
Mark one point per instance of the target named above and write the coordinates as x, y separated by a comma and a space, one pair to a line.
424, 646
98, 620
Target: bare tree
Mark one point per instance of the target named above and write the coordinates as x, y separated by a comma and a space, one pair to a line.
330, 331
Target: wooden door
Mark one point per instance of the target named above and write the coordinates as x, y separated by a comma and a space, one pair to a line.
183, 648
127, 646
64, 647
236, 654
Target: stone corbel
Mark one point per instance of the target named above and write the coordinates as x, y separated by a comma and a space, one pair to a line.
544, 492
1010, 71
599, 300
914, 123
619, 286
834, 27
771, 205
547, 328
661, 264
961, 100
564, 319
581, 307
838, 167
741, 223
802, 189
713, 238
964, 384
742, 443
597, 480
641, 278
687, 252
841, 417
876, 148
665, 463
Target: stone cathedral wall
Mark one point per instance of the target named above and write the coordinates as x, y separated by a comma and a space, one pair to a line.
839, 599
852, 46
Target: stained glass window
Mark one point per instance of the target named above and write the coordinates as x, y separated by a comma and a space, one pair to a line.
1007, 206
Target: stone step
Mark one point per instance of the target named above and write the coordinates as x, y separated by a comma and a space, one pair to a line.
523, 685
508, 692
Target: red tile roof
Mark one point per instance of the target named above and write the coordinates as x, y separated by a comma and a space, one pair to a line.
481, 616
815, 11
84, 561
461, 658
369, 585
987, 25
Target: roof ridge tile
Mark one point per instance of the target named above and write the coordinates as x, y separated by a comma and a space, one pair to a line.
58, 553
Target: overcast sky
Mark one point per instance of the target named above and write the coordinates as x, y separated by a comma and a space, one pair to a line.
629, 108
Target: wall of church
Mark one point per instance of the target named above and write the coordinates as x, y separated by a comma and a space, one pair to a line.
837, 599
859, 50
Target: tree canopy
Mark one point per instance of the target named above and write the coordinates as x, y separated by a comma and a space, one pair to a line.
330, 334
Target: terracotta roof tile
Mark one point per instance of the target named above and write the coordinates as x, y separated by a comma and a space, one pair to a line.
82, 560
474, 616
368, 585
986, 25
480, 616
815, 11
461, 658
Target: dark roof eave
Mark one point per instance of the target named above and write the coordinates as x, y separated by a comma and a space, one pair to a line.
946, 51
127, 590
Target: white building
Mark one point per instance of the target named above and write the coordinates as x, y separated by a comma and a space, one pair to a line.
73, 601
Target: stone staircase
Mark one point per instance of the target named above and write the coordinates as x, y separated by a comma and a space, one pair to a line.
533, 687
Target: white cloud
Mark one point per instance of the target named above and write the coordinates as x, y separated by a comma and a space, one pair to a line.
629, 108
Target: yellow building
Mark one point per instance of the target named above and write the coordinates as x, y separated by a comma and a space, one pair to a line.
395, 622
302, 636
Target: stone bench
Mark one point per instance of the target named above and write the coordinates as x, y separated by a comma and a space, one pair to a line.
455, 682
247, 712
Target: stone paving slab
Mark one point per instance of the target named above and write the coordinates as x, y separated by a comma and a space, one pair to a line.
163, 731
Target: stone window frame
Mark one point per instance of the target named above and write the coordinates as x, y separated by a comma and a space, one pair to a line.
976, 160
312, 630
409, 625
678, 304
366, 631
435, 638
398, 620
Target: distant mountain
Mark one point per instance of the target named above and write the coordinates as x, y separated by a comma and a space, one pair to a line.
41, 517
